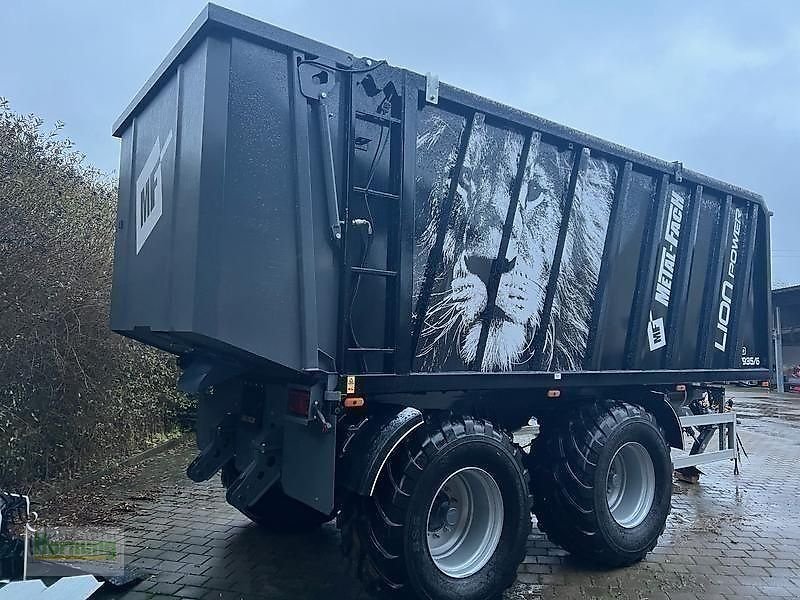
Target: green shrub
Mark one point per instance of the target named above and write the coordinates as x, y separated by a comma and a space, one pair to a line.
72, 393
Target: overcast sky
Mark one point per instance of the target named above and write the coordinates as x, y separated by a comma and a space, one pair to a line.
713, 84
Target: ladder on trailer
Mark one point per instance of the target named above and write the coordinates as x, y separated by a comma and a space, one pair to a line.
375, 139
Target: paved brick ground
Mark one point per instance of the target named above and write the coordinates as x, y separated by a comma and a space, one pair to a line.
728, 537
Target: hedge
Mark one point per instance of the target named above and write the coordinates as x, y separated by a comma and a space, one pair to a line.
73, 395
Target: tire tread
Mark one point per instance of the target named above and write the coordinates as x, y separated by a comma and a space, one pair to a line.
374, 553
561, 465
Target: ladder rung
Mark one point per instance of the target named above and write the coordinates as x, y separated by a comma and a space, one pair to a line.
376, 193
377, 119
378, 272
384, 350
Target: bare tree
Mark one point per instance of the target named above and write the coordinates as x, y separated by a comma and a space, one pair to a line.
72, 393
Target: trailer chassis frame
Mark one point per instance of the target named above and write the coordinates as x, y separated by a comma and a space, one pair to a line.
589, 381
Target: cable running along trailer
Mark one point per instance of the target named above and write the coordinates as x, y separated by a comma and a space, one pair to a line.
372, 279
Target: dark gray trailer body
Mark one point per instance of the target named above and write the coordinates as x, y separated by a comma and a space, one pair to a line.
501, 241
372, 279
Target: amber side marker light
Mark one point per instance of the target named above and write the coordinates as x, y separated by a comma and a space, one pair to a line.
553, 393
353, 402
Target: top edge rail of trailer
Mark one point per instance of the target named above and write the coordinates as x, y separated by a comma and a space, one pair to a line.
222, 19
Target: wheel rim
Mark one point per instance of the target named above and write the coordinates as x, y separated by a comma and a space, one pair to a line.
465, 521
630, 485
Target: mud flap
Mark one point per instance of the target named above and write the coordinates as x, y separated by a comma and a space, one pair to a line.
309, 459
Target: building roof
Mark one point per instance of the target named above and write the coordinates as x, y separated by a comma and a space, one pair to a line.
792, 289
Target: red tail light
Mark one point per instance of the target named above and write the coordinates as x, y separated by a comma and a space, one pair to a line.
299, 401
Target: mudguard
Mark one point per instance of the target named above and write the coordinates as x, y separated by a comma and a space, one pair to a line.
365, 455
667, 418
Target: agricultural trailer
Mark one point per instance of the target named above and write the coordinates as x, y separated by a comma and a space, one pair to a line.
371, 280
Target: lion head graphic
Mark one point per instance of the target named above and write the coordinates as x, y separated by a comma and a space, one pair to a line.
457, 311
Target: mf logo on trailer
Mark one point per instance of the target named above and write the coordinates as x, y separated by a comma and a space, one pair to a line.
149, 193
655, 333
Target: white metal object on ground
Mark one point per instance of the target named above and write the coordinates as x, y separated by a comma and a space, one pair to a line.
21, 589
80, 587
30, 517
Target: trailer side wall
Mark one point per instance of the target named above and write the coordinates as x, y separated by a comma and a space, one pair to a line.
503, 242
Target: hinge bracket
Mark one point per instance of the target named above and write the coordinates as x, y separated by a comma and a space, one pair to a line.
431, 88
677, 171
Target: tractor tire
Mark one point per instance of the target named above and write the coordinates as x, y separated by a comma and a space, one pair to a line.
275, 511
449, 518
602, 482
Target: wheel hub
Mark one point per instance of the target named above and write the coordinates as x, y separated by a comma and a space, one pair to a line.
630, 485
452, 516
465, 521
